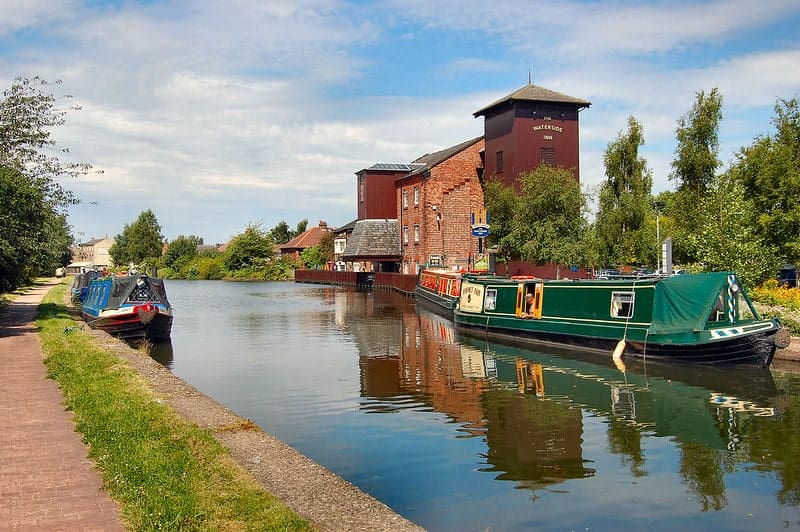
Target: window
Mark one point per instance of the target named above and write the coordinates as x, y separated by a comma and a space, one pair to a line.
499, 162
405, 234
405, 199
416, 196
491, 299
548, 156
622, 304
361, 192
416, 232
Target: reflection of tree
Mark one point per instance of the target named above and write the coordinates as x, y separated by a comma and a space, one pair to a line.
775, 444
532, 440
625, 438
702, 471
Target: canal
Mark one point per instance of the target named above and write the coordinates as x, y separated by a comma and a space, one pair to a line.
456, 433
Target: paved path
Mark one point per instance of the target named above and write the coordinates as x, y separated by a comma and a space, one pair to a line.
46, 480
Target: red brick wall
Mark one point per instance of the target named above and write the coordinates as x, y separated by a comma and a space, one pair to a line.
453, 188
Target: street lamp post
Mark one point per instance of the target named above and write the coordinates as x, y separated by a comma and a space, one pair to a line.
658, 205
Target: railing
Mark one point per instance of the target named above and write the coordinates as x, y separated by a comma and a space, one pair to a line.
394, 281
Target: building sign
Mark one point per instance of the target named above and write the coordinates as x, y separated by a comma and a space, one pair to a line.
548, 127
471, 297
480, 224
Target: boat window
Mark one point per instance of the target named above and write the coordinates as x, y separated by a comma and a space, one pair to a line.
491, 299
622, 304
744, 308
718, 310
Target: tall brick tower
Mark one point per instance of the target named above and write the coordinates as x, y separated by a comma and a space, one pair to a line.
531, 126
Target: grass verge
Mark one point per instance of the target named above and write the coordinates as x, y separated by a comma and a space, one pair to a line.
166, 473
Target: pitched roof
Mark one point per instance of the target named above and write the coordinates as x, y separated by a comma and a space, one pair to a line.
429, 160
346, 228
373, 239
535, 93
310, 237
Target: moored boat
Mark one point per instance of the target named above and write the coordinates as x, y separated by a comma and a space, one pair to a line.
703, 318
438, 290
132, 307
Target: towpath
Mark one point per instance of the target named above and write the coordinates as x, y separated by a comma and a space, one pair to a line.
47, 482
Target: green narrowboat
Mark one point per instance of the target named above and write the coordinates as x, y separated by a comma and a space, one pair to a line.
705, 318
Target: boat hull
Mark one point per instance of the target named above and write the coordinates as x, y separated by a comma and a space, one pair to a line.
754, 349
127, 324
444, 306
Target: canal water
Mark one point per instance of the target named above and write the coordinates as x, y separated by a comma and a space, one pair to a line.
457, 433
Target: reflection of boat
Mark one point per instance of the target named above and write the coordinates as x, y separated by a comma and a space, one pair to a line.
438, 290
672, 400
702, 318
133, 307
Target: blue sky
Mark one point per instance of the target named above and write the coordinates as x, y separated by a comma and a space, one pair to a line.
217, 115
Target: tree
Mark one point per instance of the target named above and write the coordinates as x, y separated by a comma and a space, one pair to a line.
501, 203
769, 170
139, 241
34, 235
726, 238
621, 226
253, 248
281, 233
34, 238
181, 250
549, 224
301, 227
694, 168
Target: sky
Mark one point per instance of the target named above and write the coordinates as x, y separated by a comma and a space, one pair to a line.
220, 115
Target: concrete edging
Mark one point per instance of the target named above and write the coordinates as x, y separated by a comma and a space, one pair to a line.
313, 492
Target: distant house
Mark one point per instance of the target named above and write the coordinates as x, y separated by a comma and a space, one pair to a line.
340, 237
309, 238
90, 255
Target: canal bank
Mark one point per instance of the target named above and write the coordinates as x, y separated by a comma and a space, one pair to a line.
49, 502
313, 492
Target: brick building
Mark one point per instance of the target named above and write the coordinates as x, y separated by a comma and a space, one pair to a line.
529, 127
434, 197
434, 207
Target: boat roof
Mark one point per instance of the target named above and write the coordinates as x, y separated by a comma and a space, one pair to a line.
681, 302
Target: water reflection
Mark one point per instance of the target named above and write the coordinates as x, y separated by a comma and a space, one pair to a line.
161, 352
529, 406
443, 427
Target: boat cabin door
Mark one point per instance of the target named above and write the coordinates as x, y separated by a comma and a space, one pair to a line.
529, 299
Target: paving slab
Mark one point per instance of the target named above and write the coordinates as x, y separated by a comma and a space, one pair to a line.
47, 481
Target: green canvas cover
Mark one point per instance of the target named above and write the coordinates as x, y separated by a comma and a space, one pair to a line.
683, 302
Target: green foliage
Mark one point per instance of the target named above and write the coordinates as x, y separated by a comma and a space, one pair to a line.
726, 239
166, 473
281, 233
313, 257
501, 203
549, 224
34, 234
139, 241
253, 248
181, 251
769, 169
694, 168
623, 228
34, 237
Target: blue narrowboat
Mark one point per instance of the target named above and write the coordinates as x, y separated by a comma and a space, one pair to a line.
133, 307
